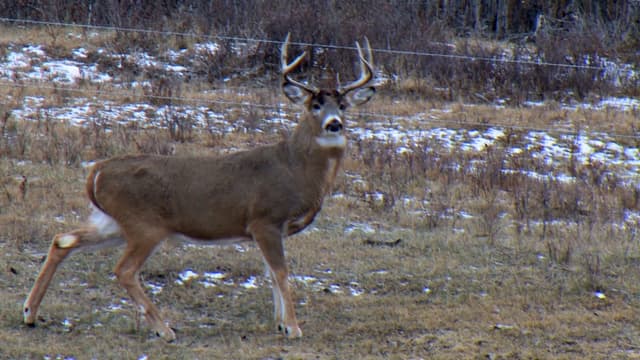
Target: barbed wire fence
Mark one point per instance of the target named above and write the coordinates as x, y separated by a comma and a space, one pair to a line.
304, 44
279, 106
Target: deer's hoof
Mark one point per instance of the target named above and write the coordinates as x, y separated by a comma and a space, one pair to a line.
291, 332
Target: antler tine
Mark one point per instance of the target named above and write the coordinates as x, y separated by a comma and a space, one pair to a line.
288, 67
366, 69
369, 52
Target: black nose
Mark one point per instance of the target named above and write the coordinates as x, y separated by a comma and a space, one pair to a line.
334, 126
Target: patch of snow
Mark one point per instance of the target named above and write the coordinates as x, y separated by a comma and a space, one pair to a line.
17, 60
215, 275
600, 295
185, 276
79, 53
114, 307
380, 272
360, 227
305, 279
206, 48
212, 279
355, 289
250, 283
623, 104
154, 288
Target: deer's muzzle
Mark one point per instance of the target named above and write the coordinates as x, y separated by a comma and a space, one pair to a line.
333, 125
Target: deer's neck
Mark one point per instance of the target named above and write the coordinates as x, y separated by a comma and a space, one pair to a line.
319, 165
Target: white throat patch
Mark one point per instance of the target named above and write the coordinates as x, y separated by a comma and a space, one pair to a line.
339, 141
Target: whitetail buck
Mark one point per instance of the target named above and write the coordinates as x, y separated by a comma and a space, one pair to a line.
263, 194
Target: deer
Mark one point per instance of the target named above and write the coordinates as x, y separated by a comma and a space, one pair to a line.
263, 195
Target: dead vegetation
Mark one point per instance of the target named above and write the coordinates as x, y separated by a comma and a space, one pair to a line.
475, 51
454, 254
532, 262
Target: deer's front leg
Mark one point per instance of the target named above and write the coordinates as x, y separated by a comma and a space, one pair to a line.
277, 297
269, 239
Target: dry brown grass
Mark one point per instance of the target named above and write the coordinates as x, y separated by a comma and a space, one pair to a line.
495, 290
517, 279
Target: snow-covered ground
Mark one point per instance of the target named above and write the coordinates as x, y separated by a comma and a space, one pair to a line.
553, 147
31, 63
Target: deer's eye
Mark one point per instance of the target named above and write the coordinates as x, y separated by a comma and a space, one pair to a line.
316, 106
342, 107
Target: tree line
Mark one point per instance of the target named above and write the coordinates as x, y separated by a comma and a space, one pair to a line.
559, 31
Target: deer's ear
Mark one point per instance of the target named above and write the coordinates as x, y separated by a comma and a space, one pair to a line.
296, 94
361, 96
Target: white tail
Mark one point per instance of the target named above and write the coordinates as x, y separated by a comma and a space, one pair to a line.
264, 195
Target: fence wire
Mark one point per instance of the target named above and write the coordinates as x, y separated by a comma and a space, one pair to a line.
386, 116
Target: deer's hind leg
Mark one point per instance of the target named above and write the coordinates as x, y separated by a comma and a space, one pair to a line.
62, 245
140, 244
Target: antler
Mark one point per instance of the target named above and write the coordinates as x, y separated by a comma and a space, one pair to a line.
366, 69
287, 68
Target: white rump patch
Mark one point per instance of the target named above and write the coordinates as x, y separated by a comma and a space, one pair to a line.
332, 141
105, 225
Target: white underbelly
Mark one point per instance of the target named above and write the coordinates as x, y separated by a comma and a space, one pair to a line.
107, 227
209, 242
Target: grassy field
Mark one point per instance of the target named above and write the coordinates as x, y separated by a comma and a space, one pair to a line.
484, 285
430, 252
